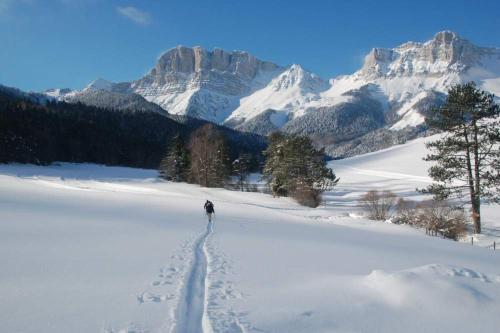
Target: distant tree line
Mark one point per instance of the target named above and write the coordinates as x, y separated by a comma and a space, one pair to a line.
292, 167
42, 133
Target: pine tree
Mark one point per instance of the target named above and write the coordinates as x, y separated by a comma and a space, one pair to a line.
275, 170
294, 167
241, 169
467, 156
175, 165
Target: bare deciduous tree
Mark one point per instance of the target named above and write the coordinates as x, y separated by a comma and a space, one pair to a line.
209, 161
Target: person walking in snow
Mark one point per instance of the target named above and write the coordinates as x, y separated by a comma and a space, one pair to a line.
209, 209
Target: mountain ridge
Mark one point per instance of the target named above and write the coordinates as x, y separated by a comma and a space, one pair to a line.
241, 91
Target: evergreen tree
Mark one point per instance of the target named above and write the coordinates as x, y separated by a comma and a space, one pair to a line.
294, 167
241, 169
175, 165
275, 171
467, 156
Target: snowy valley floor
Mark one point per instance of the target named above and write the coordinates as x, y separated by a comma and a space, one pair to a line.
86, 248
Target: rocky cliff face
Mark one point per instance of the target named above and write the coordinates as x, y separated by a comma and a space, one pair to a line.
445, 53
201, 83
194, 60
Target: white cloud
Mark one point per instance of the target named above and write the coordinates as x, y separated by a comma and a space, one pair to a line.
136, 15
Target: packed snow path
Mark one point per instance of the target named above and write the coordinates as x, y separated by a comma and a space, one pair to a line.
191, 314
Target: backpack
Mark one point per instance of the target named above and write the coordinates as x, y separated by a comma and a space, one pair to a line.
209, 207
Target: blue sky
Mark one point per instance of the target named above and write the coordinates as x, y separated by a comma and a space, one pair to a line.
68, 43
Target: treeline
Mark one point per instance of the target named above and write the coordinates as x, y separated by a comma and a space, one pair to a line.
293, 167
36, 133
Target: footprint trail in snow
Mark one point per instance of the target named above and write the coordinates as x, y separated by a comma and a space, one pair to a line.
191, 312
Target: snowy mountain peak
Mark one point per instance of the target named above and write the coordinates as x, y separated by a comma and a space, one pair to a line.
204, 84
446, 36
100, 84
447, 52
449, 47
182, 59
296, 76
286, 97
58, 93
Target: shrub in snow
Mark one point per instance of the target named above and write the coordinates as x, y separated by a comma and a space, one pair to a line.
307, 196
379, 204
405, 211
436, 217
440, 218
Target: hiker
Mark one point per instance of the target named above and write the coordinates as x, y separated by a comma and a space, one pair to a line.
209, 209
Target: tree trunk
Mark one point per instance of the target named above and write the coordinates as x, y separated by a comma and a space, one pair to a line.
476, 216
472, 188
476, 206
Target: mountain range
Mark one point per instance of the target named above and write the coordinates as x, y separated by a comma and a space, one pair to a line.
383, 103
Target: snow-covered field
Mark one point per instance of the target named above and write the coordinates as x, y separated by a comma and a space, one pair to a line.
86, 248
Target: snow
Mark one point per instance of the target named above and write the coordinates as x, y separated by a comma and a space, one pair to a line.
279, 118
60, 94
292, 90
87, 248
409, 118
175, 103
100, 84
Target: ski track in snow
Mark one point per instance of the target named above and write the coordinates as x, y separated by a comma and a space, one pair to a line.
191, 314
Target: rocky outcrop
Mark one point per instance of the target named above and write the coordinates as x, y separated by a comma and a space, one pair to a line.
201, 83
445, 53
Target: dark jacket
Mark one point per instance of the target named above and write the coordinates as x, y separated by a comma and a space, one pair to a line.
209, 207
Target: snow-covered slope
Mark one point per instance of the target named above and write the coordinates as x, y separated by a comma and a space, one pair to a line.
86, 248
289, 93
